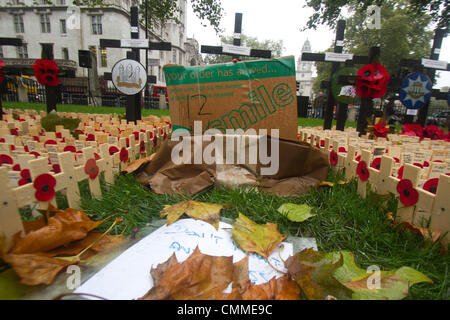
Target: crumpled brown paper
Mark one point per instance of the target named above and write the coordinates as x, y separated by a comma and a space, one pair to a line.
300, 168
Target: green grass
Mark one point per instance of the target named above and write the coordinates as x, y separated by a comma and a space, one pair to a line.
79, 108
344, 221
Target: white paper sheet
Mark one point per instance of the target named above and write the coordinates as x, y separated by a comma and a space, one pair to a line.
128, 276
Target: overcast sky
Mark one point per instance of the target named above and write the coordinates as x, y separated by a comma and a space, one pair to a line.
279, 20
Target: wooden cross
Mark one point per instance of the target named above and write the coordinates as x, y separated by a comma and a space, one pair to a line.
16, 42
235, 50
134, 103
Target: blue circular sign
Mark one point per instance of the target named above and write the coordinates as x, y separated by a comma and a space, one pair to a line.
416, 90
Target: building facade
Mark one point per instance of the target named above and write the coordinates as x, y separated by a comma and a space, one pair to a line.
304, 72
68, 28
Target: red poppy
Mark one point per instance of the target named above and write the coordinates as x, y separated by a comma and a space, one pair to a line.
342, 149
25, 177
155, 140
36, 138
136, 135
59, 135
431, 185
97, 156
169, 124
333, 157
2, 140
426, 164
70, 148
380, 130
14, 132
433, 132
12, 147
372, 80
416, 129
400, 172
36, 154
142, 147
16, 167
51, 141
418, 165
113, 149
376, 163
150, 135
127, 141
5, 159
123, 155
397, 160
46, 72
362, 171
79, 131
91, 169
322, 143
408, 194
26, 149
317, 145
45, 187
56, 168
2, 64
90, 137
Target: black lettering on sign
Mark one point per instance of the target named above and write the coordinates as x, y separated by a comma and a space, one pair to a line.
203, 97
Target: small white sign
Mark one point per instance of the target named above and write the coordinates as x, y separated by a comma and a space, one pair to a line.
411, 112
339, 43
338, 57
242, 51
437, 50
129, 76
134, 43
237, 36
134, 29
434, 64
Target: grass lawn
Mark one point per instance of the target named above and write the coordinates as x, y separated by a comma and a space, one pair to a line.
305, 122
344, 221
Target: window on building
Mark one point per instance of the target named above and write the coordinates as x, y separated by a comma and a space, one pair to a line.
1, 52
45, 23
174, 56
18, 23
104, 57
22, 52
63, 27
65, 53
96, 24
62, 1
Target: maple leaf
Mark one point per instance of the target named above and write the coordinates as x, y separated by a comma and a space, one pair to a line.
64, 227
393, 284
257, 238
296, 212
313, 272
202, 277
207, 212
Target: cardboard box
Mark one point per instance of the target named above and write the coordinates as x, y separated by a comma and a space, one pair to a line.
258, 94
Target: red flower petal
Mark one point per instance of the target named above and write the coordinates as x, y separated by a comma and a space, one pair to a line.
333, 157
376, 163
362, 171
44, 185
56, 168
70, 148
123, 155
408, 194
91, 169
5, 159
400, 172
16, 167
97, 156
51, 141
431, 185
113, 149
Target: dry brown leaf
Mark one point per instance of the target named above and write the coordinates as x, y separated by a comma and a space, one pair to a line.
35, 269
64, 227
135, 165
207, 212
203, 277
425, 232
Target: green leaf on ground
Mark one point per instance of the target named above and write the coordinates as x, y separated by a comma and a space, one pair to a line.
296, 212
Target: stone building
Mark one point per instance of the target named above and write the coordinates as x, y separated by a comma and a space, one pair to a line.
68, 28
304, 72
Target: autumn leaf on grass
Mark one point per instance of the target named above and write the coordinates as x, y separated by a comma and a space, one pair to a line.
35, 269
325, 184
393, 285
426, 233
296, 212
313, 271
64, 227
257, 238
207, 212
